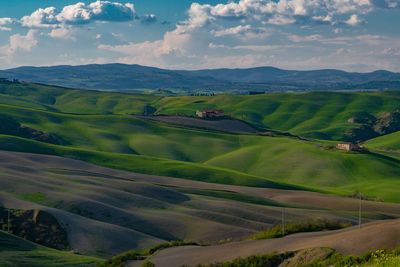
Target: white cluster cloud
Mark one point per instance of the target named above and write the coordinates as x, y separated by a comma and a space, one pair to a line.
354, 20
246, 31
232, 31
22, 42
5, 21
275, 12
65, 33
80, 13
149, 18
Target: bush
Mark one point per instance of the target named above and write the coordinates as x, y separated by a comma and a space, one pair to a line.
147, 263
269, 260
291, 228
120, 260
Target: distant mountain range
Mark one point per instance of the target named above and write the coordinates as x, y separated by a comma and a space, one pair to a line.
128, 78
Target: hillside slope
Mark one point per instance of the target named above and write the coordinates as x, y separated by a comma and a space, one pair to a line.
120, 77
348, 241
15, 251
320, 115
118, 141
106, 211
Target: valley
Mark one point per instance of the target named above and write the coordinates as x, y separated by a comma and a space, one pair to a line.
129, 171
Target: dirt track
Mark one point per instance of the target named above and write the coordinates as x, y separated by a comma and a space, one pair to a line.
356, 241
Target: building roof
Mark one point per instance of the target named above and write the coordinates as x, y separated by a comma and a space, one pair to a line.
213, 111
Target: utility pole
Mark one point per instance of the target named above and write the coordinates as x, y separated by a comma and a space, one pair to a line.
283, 221
8, 221
359, 212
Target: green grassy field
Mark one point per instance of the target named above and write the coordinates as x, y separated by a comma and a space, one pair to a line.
72, 101
143, 164
144, 146
390, 142
321, 115
15, 251
96, 127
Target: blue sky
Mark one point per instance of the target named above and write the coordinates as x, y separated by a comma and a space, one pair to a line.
353, 35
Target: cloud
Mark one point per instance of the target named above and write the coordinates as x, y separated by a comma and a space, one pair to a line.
214, 46
244, 31
148, 19
22, 42
309, 38
80, 13
354, 20
62, 33
233, 31
279, 12
5, 21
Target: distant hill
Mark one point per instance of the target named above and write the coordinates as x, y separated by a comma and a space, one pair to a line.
123, 78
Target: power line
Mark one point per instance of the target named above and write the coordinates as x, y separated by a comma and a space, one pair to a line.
8, 221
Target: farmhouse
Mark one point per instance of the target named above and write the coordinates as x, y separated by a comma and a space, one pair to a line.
210, 113
350, 147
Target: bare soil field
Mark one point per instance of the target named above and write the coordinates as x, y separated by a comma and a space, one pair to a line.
107, 211
350, 241
224, 125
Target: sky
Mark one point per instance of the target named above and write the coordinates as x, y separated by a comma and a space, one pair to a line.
352, 35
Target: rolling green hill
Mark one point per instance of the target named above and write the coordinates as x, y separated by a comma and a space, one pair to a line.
247, 174
321, 115
390, 142
15, 251
66, 100
144, 146
162, 149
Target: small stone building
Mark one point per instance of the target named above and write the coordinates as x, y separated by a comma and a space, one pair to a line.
350, 147
210, 113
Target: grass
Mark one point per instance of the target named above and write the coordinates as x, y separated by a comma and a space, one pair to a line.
216, 157
15, 251
390, 142
299, 227
268, 260
120, 260
118, 141
36, 197
54, 98
317, 257
142, 164
321, 115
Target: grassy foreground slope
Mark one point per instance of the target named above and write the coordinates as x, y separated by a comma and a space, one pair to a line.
15, 251
108, 211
